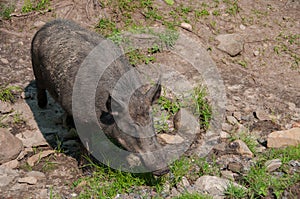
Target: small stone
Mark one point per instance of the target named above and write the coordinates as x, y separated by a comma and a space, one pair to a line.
272, 165
32, 138
10, 146
237, 115
241, 148
11, 164
224, 135
242, 27
231, 120
37, 174
261, 115
73, 195
213, 185
235, 167
184, 182
4, 61
256, 53
33, 159
186, 26
278, 139
227, 175
28, 180
39, 24
230, 108
171, 139
296, 125
227, 127
232, 44
43, 193
7, 176
5, 107
260, 149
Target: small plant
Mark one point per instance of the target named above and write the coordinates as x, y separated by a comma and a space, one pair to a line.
7, 94
193, 196
29, 6
202, 108
17, 118
6, 10
243, 63
216, 13
169, 105
2, 125
107, 27
201, 13
161, 125
180, 168
233, 8
235, 192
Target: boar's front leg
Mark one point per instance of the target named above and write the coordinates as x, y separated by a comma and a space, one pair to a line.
41, 91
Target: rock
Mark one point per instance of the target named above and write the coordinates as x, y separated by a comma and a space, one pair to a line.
232, 44
228, 175
213, 185
227, 127
11, 164
186, 26
272, 165
171, 139
28, 180
256, 53
261, 115
37, 174
231, 120
224, 135
10, 146
242, 27
39, 24
32, 138
235, 167
184, 182
237, 115
4, 61
278, 139
5, 107
7, 176
230, 108
296, 125
33, 159
241, 148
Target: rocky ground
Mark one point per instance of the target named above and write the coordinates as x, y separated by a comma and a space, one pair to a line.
257, 55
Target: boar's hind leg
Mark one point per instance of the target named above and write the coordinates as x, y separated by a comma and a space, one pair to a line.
41, 95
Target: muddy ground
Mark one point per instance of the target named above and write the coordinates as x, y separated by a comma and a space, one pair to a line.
265, 75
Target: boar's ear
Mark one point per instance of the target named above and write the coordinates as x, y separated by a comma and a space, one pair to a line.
108, 117
114, 106
153, 93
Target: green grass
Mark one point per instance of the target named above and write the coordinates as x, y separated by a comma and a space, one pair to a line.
261, 183
235, 192
7, 93
6, 10
247, 138
30, 5
202, 107
193, 196
106, 182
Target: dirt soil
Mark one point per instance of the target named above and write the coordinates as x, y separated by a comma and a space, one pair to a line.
258, 78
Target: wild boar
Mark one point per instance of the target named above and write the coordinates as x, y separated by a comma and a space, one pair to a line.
58, 49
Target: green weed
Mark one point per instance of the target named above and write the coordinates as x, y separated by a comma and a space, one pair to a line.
30, 6
261, 183
107, 27
202, 108
7, 94
193, 196
235, 192
6, 10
